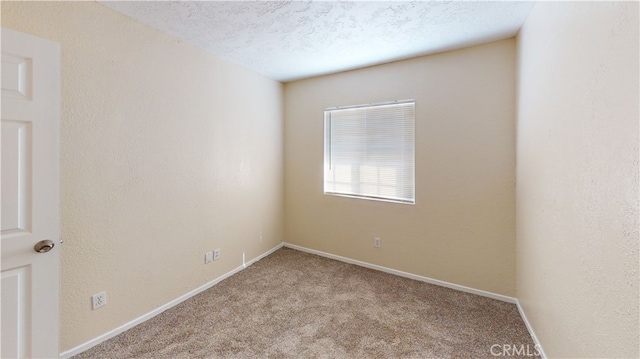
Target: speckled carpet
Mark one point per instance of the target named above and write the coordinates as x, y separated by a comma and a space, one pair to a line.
297, 305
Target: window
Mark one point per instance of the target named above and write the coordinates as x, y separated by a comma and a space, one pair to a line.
369, 151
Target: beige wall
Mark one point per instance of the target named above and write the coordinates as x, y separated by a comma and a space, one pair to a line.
167, 152
577, 173
462, 227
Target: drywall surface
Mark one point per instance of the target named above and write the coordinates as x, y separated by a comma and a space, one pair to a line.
462, 227
577, 188
167, 152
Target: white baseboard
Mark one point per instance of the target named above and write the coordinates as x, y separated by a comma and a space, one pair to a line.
461, 288
93, 342
106, 336
441, 283
531, 332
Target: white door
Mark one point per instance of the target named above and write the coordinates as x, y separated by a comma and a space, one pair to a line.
30, 196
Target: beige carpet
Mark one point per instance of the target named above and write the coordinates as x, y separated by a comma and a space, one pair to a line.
298, 305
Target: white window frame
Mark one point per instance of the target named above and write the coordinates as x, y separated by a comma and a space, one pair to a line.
407, 172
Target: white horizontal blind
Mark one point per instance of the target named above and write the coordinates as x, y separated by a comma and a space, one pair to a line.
369, 151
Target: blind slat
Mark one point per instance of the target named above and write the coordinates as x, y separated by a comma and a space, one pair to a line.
370, 150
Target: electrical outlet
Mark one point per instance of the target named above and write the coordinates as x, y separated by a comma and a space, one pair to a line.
98, 300
377, 242
208, 257
216, 254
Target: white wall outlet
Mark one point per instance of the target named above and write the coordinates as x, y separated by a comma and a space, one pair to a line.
216, 254
208, 257
377, 242
98, 300
260, 236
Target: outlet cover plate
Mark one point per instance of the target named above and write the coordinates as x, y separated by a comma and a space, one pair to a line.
98, 300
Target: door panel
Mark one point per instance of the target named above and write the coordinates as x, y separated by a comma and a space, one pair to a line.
15, 316
30, 195
16, 177
16, 76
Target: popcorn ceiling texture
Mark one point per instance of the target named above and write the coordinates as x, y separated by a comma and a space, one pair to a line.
577, 191
167, 152
298, 305
287, 40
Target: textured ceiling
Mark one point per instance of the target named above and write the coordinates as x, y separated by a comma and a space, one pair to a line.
288, 40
